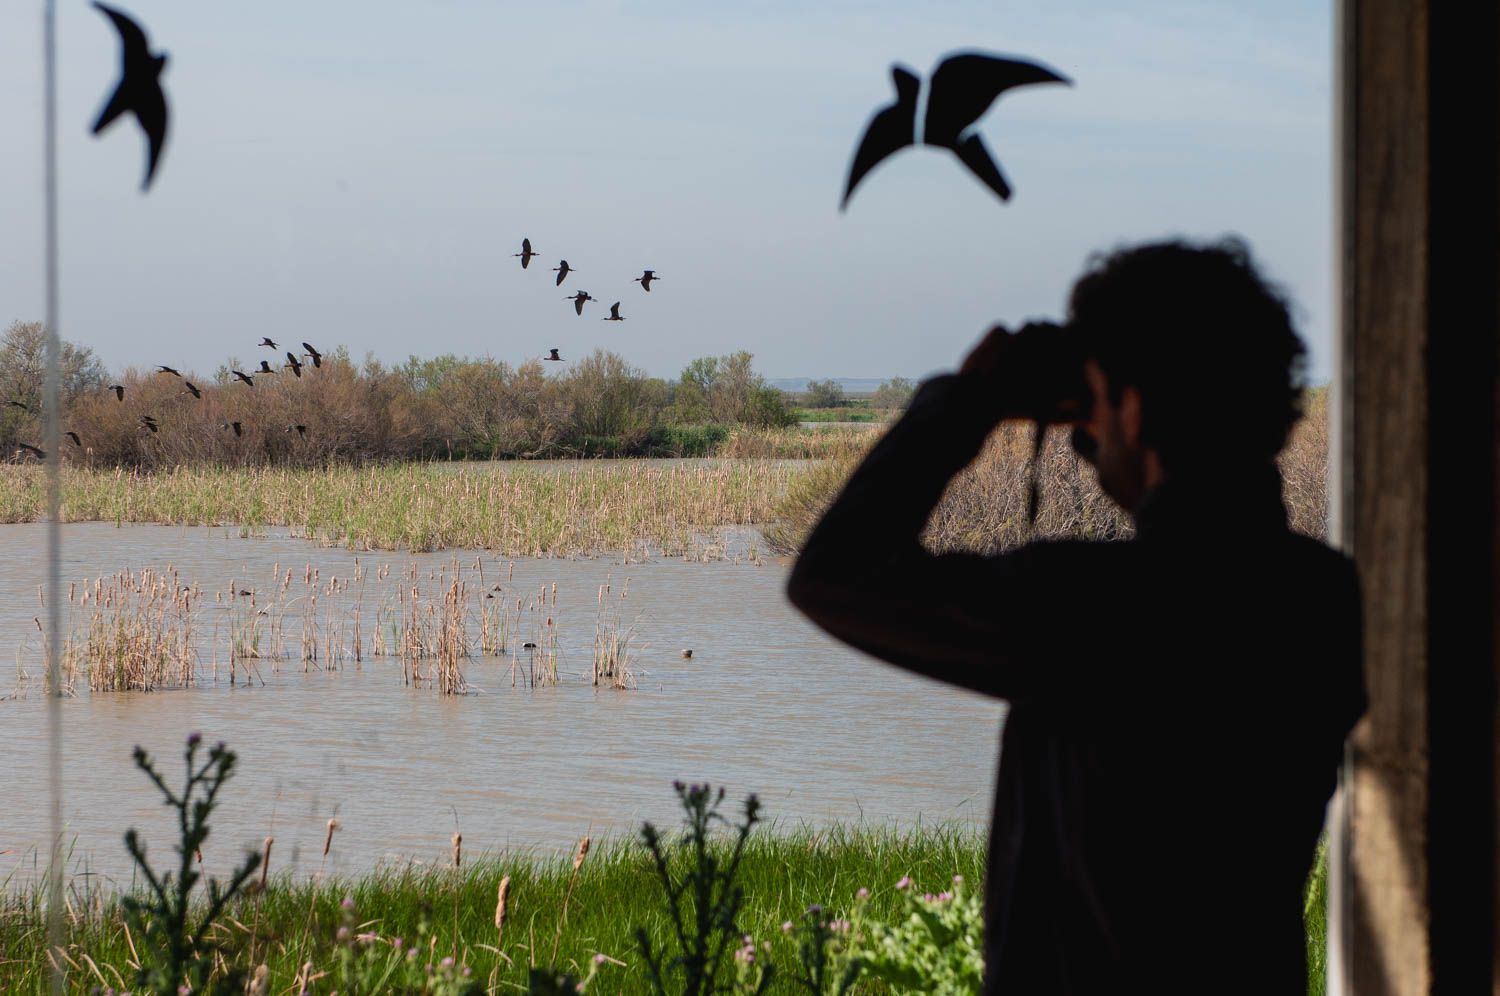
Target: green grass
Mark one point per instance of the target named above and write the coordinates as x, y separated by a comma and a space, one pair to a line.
448, 914
839, 415
454, 914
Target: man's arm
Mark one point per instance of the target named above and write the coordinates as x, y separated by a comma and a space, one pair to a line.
864, 576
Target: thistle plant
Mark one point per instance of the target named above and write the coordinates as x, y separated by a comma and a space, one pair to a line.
936, 946
703, 899
826, 965
179, 950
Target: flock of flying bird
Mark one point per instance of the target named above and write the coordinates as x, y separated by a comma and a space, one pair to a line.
562, 269
960, 89
149, 423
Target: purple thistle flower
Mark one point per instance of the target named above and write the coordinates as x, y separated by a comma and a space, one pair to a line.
904, 883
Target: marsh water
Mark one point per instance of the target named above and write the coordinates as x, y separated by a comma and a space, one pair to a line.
766, 704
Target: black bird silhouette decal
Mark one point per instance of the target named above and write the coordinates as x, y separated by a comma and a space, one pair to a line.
579, 299
139, 89
960, 90
525, 253
168, 370
291, 361
40, 453
614, 314
317, 357
264, 341
232, 425
193, 389
554, 356
17, 404
74, 436
301, 430
265, 368
119, 390
249, 382
645, 279
561, 271
150, 423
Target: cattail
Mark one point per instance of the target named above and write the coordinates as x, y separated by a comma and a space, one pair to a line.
265, 862
458, 848
328, 836
501, 912
583, 851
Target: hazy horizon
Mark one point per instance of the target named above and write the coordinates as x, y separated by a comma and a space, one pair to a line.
361, 174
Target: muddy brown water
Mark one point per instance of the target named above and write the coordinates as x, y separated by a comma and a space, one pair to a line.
766, 704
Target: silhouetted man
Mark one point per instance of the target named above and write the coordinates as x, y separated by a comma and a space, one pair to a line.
1179, 700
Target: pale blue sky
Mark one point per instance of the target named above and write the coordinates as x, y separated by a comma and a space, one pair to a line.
359, 174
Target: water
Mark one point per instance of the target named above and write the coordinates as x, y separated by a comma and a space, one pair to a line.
766, 704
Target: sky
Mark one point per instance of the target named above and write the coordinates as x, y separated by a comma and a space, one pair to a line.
359, 174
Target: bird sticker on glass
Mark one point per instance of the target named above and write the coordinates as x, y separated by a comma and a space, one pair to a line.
959, 92
139, 90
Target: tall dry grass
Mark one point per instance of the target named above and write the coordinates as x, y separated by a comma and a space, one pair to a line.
984, 509
515, 510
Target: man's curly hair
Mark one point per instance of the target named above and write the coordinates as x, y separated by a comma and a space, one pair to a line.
1207, 341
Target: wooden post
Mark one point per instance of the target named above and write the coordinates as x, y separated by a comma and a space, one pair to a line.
1418, 464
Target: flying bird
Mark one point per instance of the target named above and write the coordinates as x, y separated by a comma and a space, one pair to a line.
193, 389
554, 356
139, 89
168, 370
645, 279
291, 361
561, 271
119, 390
249, 382
579, 299
614, 314
40, 453
74, 436
268, 342
150, 423
265, 368
525, 253
17, 404
960, 90
232, 425
317, 357
301, 430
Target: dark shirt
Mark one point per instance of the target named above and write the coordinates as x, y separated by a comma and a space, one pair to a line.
1178, 707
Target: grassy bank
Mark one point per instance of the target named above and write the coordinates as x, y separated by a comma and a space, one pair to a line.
444, 913
520, 510
452, 914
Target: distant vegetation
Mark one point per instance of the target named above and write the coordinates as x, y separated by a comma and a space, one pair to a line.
447, 407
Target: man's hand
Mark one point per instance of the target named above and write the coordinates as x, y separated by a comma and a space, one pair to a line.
1036, 372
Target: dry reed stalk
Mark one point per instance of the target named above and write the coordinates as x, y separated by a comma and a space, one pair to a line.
578, 856
502, 908
458, 849
265, 863
328, 836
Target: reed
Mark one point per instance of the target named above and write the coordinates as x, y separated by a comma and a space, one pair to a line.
984, 509
636, 507
613, 639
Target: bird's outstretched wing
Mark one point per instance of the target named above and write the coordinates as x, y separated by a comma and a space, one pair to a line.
578, 305
890, 130
964, 85
151, 110
973, 153
132, 37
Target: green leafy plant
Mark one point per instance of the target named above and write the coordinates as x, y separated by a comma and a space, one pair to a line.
703, 898
179, 949
936, 947
826, 961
